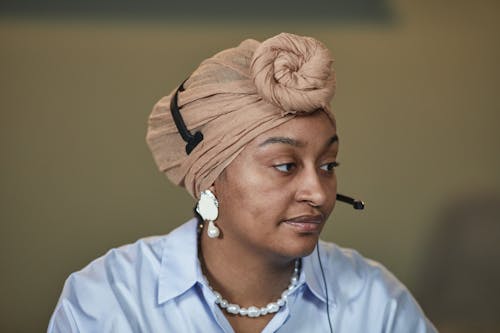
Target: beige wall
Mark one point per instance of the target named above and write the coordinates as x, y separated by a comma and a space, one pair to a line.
417, 109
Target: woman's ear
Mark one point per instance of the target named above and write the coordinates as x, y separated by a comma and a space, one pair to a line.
218, 183
212, 189
221, 188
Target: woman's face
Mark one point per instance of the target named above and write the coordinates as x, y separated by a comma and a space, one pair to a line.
275, 197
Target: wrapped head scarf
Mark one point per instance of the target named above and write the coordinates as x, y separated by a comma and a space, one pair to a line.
234, 97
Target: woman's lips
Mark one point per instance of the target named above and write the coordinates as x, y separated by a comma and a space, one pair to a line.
306, 223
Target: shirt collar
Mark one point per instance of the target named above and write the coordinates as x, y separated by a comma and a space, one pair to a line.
180, 268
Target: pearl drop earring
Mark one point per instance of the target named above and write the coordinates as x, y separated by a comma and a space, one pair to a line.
208, 208
212, 231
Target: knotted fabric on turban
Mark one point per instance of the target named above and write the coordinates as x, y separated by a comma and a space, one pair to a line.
235, 96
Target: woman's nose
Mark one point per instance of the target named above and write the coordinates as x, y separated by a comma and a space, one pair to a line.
312, 188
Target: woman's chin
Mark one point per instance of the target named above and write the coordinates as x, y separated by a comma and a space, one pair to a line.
300, 247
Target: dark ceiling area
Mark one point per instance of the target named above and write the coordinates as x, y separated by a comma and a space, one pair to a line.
338, 10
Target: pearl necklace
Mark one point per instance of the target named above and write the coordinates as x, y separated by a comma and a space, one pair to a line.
255, 311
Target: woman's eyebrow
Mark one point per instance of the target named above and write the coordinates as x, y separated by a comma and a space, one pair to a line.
333, 139
293, 142
283, 140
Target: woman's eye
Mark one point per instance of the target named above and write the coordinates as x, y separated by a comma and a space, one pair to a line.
285, 167
329, 166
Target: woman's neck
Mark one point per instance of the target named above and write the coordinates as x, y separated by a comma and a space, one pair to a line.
243, 276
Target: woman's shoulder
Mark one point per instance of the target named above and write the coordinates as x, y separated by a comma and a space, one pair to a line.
122, 278
126, 262
120, 262
92, 296
120, 266
370, 290
356, 273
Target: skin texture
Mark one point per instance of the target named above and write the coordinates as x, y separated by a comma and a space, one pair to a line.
274, 199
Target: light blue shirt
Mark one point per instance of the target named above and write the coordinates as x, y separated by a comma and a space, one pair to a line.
156, 285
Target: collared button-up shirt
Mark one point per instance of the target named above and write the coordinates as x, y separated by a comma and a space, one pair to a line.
156, 285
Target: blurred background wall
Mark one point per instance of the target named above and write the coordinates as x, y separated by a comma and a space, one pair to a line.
418, 116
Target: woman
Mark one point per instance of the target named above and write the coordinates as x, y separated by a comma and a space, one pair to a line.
250, 135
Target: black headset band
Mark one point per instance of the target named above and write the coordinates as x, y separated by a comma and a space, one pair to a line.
191, 140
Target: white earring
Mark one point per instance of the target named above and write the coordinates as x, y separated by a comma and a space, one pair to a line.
208, 208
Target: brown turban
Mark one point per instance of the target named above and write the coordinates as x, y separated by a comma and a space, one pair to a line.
235, 96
